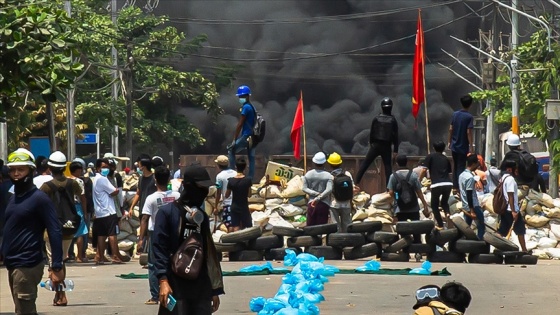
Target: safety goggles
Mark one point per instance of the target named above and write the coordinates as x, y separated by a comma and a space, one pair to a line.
19, 157
425, 293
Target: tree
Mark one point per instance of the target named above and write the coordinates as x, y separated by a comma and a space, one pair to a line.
538, 78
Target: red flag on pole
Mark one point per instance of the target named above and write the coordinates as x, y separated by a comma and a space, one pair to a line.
418, 96
295, 135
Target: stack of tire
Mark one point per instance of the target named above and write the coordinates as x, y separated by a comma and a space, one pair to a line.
247, 244
397, 246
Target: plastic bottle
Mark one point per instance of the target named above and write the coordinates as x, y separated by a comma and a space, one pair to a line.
169, 187
68, 283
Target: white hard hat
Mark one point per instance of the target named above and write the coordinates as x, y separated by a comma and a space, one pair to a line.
513, 140
57, 159
319, 158
81, 162
20, 157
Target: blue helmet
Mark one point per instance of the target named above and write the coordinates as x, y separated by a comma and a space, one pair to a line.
243, 90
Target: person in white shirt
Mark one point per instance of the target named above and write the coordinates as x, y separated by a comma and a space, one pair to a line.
512, 216
153, 202
106, 220
221, 184
492, 176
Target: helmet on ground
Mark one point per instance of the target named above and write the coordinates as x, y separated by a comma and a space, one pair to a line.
334, 159
57, 159
21, 157
319, 158
387, 103
513, 140
243, 90
81, 162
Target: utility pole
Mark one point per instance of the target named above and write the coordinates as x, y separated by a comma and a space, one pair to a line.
514, 77
3, 134
115, 90
129, 86
70, 107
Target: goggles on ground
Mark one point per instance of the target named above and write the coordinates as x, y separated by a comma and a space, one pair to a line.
424, 293
19, 157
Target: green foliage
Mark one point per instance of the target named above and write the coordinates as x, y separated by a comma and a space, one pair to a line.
538, 78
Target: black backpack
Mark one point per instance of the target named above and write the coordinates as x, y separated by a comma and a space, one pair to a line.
65, 208
383, 128
343, 189
528, 167
259, 129
406, 199
88, 190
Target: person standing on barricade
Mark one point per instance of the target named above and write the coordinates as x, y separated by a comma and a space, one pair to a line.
242, 138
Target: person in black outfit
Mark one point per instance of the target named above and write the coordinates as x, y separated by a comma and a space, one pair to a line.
384, 132
200, 296
440, 168
239, 187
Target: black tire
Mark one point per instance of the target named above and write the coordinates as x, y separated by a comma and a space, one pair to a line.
229, 247
485, 259
508, 253
143, 259
521, 260
441, 237
266, 242
464, 228
500, 242
246, 255
415, 227
471, 247
403, 257
304, 241
279, 253
383, 237
421, 248
286, 231
446, 257
342, 240
365, 227
399, 245
328, 252
242, 235
367, 250
320, 229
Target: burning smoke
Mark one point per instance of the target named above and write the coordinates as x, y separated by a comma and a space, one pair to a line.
341, 92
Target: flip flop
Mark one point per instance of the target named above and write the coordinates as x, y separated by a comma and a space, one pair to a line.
151, 302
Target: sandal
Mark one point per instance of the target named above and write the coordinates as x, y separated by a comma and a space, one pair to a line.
58, 301
117, 262
151, 302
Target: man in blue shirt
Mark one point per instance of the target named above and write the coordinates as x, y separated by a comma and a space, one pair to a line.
461, 138
28, 213
244, 130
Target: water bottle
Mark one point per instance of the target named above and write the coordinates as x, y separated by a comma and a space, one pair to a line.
169, 187
48, 285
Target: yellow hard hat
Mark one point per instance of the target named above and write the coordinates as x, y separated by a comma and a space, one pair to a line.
334, 159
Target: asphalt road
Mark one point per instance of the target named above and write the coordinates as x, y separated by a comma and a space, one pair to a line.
496, 289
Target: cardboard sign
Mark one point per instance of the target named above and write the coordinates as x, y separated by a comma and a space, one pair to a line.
277, 171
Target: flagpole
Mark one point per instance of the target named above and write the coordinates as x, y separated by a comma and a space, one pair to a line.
425, 94
304, 138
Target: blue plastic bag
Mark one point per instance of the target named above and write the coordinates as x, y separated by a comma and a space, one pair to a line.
372, 265
256, 304
424, 270
290, 259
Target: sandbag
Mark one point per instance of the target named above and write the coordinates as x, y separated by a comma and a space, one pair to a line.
293, 188
255, 198
541, 253
532, 207
552, 213
452, 200
256, 207
456, 207
546, 242
553, 253
288, 210
273, 203
487, 203
134, 222
274, 219
380, 199
360, 199
547, 201
359, 215
271, 191
125, 245
296, 201
259, 218
536, 220
125, 227
122, 236
554, 230
523, 205
531, 245
210, 205
556, 203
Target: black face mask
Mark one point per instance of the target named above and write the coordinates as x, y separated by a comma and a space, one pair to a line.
111, 172
192, 195
23, 185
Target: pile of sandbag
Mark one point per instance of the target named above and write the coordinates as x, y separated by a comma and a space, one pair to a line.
128, 232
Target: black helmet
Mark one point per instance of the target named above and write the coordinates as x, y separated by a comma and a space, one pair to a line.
387, 103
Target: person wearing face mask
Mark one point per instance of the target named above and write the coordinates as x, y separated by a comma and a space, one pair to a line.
146, 184
28, 213
244, 131
199, 296
106, 220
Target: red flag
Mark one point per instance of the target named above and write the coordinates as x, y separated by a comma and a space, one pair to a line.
418, 96
295, 135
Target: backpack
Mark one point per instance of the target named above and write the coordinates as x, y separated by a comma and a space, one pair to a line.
528, 167
499, 203
382, 129
406, 193
88, 190
259, 129
343, 189
65, 208
449, 311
